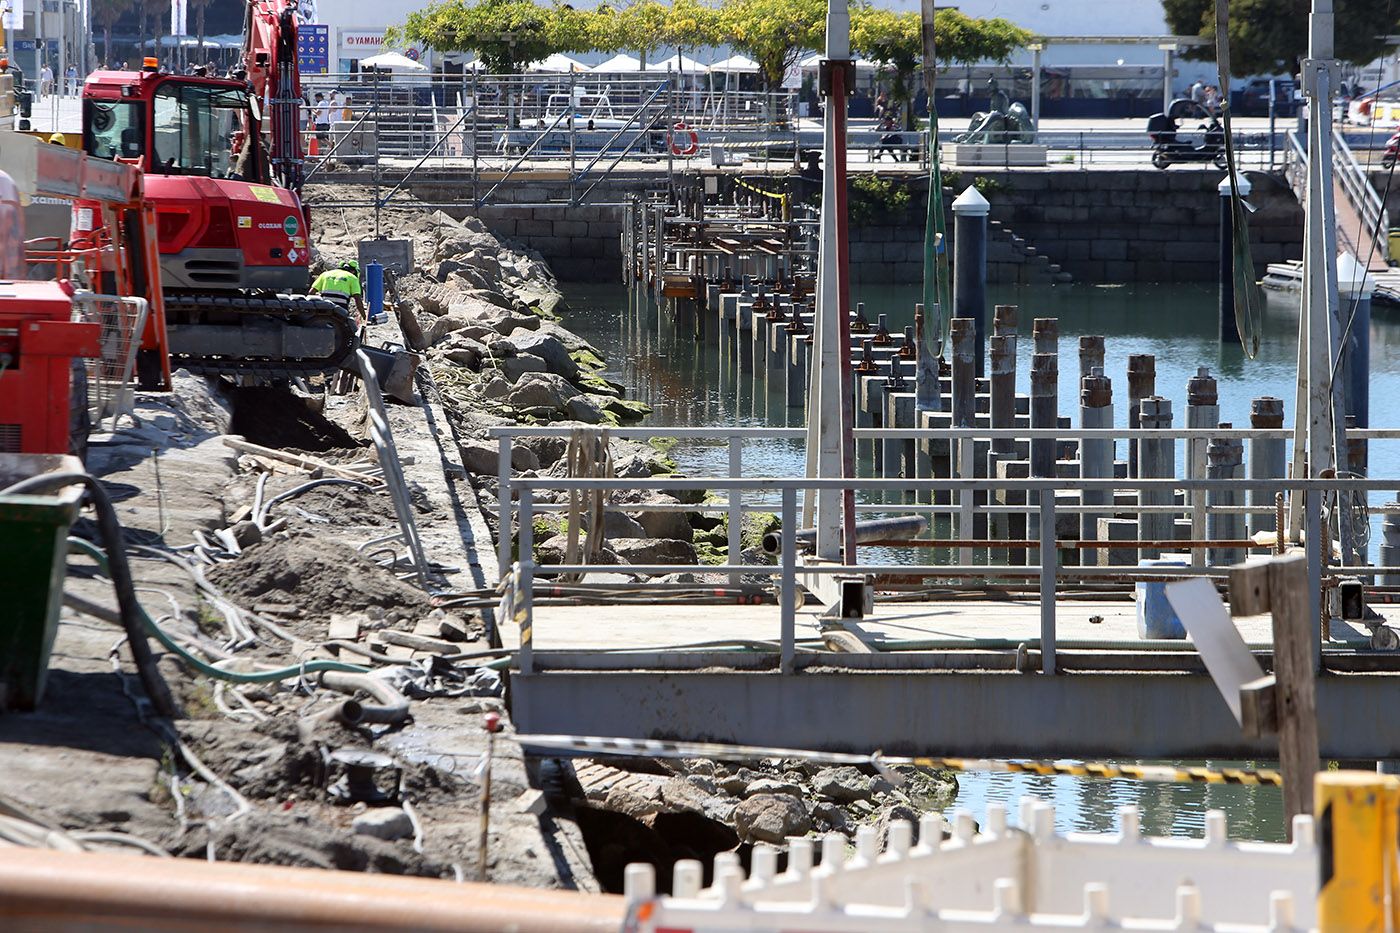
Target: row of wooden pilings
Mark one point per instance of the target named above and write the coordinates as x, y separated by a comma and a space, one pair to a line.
766, 336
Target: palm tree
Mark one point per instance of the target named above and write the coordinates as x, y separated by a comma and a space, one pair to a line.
106, 13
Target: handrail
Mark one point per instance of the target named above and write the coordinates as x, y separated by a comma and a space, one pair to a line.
1116, 433
523, 156
519, 584
1359, 191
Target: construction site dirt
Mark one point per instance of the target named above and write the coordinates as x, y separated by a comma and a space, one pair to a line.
260, 529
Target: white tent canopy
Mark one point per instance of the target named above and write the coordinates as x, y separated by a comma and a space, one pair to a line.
558, 63
736, 63
618, 64
393, 61
677, 62
813, 61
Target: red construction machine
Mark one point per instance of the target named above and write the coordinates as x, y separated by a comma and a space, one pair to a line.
223, 168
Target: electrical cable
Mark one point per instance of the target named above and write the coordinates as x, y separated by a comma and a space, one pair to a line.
202, 666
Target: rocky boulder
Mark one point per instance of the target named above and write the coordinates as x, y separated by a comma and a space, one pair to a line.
771, 818
546, 346
843, 785
482, 457
541, 390
516, 366
653, 551
584, 408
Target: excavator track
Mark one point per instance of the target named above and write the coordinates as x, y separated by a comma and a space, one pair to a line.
266, 337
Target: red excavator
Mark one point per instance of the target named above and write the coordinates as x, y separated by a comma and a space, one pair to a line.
223, 164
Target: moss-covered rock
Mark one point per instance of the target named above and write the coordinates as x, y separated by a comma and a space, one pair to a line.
587, 360
628, 409
598, 385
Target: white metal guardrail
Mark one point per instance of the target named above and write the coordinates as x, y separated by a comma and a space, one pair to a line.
1357, 184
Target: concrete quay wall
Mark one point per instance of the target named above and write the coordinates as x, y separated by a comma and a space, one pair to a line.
1135, 225
1099, 226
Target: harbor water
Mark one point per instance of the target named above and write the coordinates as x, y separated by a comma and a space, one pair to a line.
688, 382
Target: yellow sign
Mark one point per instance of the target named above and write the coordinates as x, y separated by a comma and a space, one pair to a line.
264, 193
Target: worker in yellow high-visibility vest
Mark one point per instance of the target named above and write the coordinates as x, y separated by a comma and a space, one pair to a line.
341, 285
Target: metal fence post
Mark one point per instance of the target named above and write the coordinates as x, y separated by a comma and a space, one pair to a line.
1049, 559
788, 592
1312, 533
736, 506
504, 507
525, 582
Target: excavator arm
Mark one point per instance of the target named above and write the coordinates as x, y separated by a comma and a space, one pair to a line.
270, 57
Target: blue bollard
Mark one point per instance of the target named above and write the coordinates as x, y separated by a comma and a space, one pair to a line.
1155, 616
374, 288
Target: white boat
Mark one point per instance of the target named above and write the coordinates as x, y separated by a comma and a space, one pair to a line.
588, 124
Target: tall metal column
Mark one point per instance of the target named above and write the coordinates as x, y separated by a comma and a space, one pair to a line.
1319, 337
970, 212
830, 413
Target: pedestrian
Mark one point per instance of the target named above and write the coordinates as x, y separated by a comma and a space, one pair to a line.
321, 118
889, 138
1198, 92
882, 105
70, 78
348, 113
1212, 98
342, 284
45, 81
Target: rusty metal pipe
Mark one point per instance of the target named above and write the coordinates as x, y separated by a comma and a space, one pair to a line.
100, 891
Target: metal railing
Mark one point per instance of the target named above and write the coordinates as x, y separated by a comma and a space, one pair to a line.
745, 494
1047, 573
1356, 183
110, 376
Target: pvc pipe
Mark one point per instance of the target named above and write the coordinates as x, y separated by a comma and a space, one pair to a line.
392, 706
63, 889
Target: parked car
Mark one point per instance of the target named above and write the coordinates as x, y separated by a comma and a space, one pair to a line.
1253, 100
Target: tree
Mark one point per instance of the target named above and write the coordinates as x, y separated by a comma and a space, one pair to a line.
896, 41
1271, 36
641, 27
774, 33
106, 13
505, 34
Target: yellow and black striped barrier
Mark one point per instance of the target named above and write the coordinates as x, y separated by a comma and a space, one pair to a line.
655, 748
781, 196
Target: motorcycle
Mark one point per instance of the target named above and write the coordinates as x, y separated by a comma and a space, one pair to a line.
1392, 150
1168, 147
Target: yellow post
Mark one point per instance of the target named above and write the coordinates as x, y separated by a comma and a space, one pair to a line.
1356, 840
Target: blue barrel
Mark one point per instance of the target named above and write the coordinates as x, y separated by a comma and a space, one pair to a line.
1155, 616
374, 287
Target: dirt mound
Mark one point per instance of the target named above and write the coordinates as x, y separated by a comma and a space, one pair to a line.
277, 418
318, 576
344, 505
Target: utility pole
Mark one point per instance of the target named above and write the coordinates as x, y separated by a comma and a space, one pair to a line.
1320, 428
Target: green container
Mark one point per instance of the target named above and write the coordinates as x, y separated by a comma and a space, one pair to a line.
33, 550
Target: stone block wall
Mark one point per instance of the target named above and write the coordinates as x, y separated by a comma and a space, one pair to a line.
1104, 226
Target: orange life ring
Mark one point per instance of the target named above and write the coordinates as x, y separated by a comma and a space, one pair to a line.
684, 141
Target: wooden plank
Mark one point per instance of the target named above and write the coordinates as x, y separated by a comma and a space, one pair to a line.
1259, 707
1296, 695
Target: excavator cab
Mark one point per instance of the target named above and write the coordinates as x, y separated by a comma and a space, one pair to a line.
233, 241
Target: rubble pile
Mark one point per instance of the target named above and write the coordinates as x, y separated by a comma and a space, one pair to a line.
486, 315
